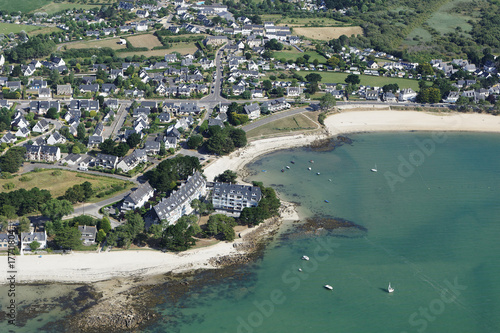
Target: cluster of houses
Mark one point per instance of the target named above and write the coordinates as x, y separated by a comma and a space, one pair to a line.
226, 198
23, 241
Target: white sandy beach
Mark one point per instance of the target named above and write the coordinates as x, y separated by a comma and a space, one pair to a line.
85, 267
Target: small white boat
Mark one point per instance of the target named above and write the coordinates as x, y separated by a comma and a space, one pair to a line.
374, 169
287, 167
300, 269
318, 173
329, 180
327, 286
309, 169
305, 258
390, 289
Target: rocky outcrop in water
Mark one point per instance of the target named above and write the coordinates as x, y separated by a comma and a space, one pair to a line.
330, 144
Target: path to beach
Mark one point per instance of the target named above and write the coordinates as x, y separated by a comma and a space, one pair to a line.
89, 267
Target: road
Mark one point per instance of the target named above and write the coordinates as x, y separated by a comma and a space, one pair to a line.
112, 131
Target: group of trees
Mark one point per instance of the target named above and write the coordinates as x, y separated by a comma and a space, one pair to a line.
221, 226
36, 47
179, 236
165, 176
132, 231
109, 146
224, 141
21, 202
12, 160
79, 193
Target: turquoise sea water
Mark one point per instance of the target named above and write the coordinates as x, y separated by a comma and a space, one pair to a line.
431, 230
433, 234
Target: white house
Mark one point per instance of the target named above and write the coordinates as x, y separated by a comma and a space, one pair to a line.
252, 110
28, 237
138, 197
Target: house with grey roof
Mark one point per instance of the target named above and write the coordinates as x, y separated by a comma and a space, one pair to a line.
55, 138
131, 161
41, 126
233, 198
64, 89
252, 110
8, 138
6, 239
152, 147
28, 237
179, 202
42, 153
138, 197
88, 234
106, 161
23, 132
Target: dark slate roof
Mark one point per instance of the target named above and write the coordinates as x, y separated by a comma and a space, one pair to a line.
136, 196
249, 192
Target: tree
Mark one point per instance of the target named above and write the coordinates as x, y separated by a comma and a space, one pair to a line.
178, 237
105, 224
24, 225
327, 101
12, 160
352, 79
75, 149
133, 140
252, 216
425, 69
222, 226
195, 141
107, 146
392, 87
238, 136
101, 236
267, 85
246, 94
313, 77
9, 211
227, 176
134, 225
333, 61
52, 113
55, 209
80, 131
34, 245
68, 237
121, 149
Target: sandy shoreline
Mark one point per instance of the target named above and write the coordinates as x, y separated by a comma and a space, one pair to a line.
92, 267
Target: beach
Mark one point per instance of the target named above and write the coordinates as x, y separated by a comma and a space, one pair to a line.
92, 267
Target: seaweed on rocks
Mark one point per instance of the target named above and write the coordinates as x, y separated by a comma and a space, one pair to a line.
325, 225
329, 144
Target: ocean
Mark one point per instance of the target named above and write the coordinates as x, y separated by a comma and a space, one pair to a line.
427, 222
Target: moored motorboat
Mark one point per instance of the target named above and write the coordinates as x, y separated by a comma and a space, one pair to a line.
327, 201
287, 167
305, 258
327, 286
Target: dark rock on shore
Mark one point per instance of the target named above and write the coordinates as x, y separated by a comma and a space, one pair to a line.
329, 144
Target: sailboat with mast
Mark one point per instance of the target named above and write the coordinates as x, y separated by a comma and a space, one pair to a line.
390, 289
374, 169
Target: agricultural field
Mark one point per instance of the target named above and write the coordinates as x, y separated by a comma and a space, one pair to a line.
147, 40
111, 43
367, 80
24, 6
327, 33
299, 122
57, 184
6, 28
182, 48
294, 54
55, 7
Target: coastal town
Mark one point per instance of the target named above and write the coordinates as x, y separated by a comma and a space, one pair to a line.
90, 110
127, 127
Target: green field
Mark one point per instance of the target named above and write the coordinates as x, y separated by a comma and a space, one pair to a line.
422, 35
24, 6
53, 7
301, 22
366, 80
294, 54
299, 122
6, 28
58, 184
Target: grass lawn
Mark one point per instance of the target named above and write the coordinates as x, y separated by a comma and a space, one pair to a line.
24, 6
182, 48
147, 40
367, 80
300, 22
53, 7
445, 21
294, 54
6, 28
298, 122
45, 30
57, 185
111, 43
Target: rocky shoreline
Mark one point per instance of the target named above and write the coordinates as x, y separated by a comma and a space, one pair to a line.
121, 305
